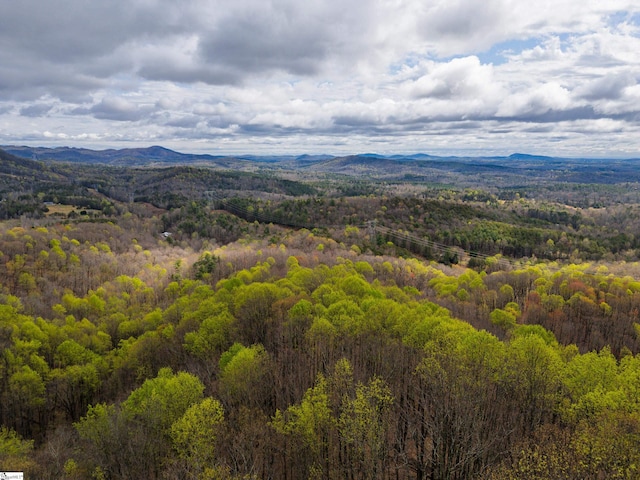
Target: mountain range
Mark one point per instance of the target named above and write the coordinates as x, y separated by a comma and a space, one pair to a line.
517, 168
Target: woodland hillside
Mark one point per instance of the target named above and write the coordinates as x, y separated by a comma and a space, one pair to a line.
193, 322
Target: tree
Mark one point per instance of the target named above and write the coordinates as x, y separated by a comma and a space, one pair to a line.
112, 444
534, 375
243, 372
212, 337
15, 453
591, 379
363, 425
160, 401
309, 424
133, 440
73, 388
205, 266
27, 394
503, 318
253, 309
194, 438
459, 411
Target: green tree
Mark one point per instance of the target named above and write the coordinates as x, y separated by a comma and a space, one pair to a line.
27, 395
254, 310
309, 423
363, 424
16, 454
133, 440
205, 266
534, 372
213, 335
459, 413
194, 438
113, 444
503, 318
243, 375
160, 401
591, 380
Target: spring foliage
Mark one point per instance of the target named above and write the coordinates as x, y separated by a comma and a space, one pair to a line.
279, 360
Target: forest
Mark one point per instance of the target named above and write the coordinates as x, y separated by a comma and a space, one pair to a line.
187, 322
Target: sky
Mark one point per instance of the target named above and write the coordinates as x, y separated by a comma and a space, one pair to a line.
458, 77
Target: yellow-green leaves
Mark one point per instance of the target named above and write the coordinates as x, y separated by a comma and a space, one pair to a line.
15, 452
164, 399
212, 336
503, 318
27, 387
363, 425
241, 369
194, 434
311, 419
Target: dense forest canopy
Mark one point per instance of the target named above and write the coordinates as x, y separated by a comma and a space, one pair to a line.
196, 322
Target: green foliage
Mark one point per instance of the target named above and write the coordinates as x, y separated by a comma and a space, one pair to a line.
524, 330
302, 310
194, 434
212, 337
27, 387
11, 445
535, 370
363, 425
311, 420
94, 426
205, 266
16, 453
71, 352
227, 356
241, 368
503, 318
164, 399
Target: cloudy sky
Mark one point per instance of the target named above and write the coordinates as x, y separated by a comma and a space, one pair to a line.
555, 77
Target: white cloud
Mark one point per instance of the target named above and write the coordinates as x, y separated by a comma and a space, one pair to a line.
536, 101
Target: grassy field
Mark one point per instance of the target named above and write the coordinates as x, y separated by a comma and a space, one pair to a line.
59, 209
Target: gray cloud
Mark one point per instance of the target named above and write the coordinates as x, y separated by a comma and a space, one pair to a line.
187, 122
97, 40
69, 31
261, 43
69, 47
556, 116
460, 21
609, 87
116, 108
36, 110
163, 71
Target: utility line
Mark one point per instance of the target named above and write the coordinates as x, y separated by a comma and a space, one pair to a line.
372, 226
439, 247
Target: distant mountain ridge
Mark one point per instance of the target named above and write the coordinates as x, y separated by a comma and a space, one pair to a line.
158, 154
13, 164
416, 167
125, 156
